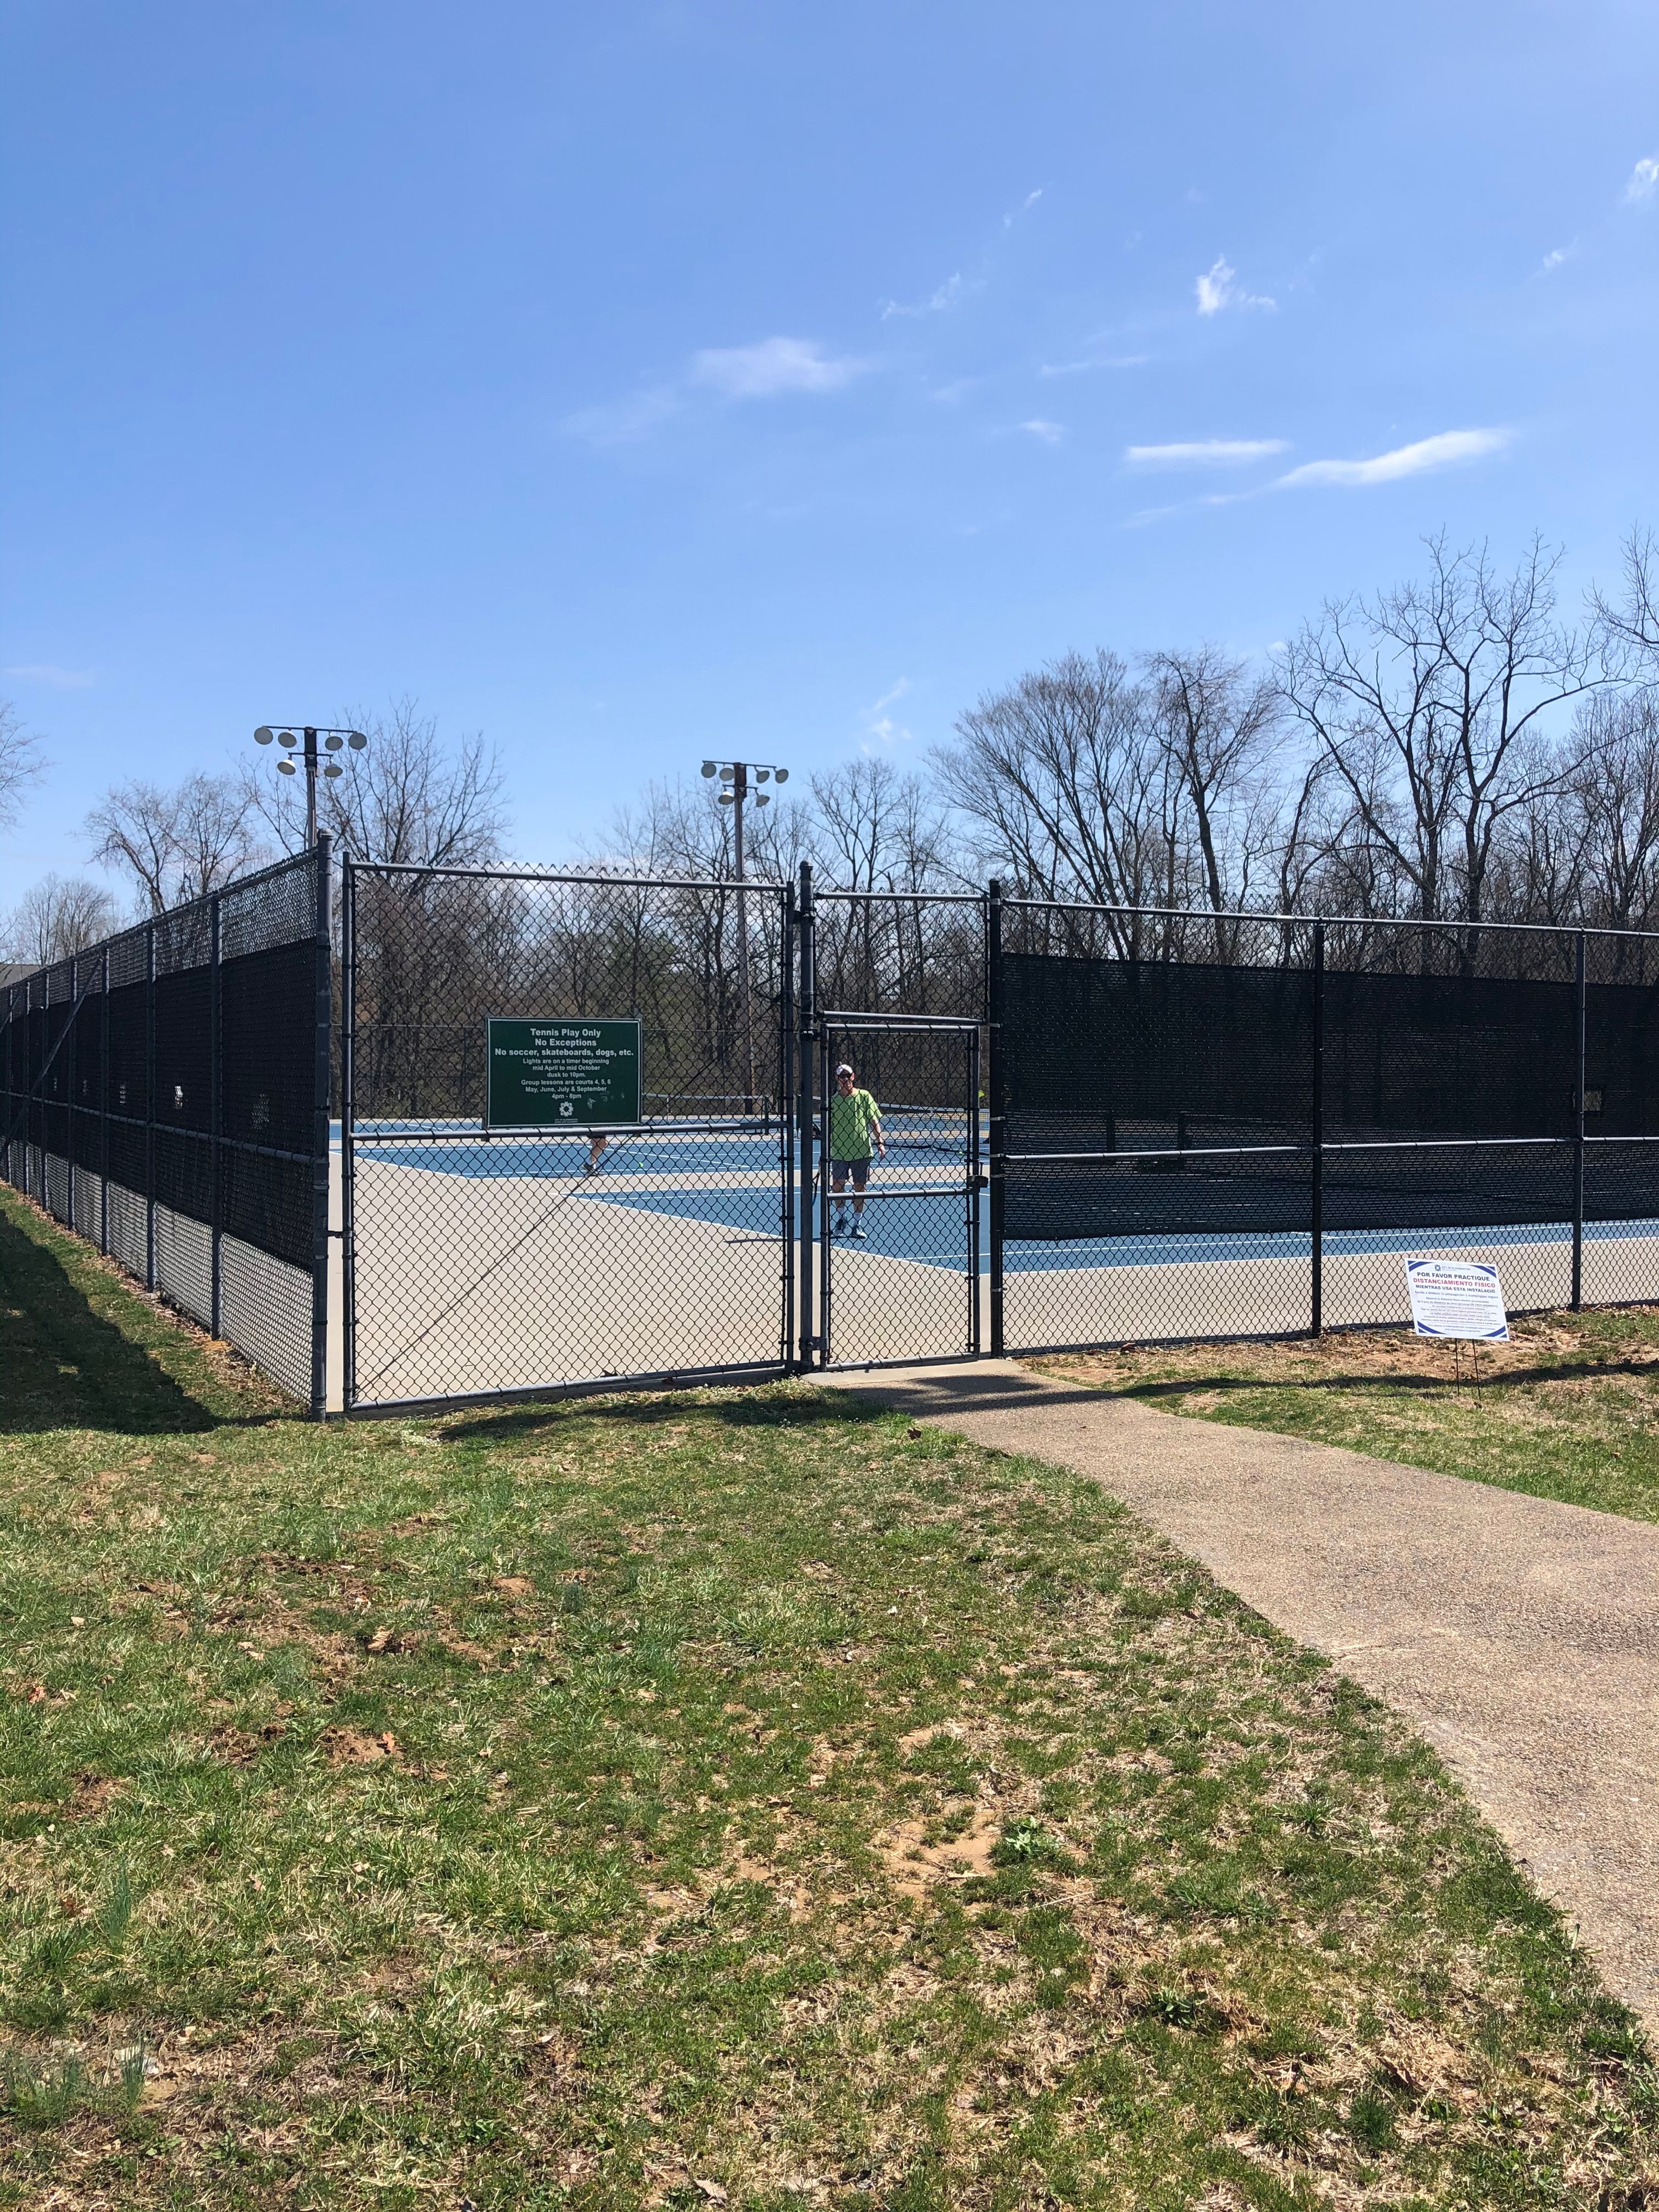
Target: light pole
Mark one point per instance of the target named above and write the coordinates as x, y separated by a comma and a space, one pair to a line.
734, 789
303, 737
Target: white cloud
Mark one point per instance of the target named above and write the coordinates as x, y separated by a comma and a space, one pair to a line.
1445, 451
1107, 360
1219, 288
880, 729
60, 679
946, 295
1556, 256
773, 366
1643, 178
623, 422
1205, 453
1014, 214
1050, 433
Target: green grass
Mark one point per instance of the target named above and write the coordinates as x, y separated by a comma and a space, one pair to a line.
719, 1798
1569, 1409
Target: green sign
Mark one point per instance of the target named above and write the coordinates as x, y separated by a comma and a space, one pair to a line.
542, 1073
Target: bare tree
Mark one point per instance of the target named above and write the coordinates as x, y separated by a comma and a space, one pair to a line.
1066, 777
178, 844
1218, 723
1633, 623
20, 762
408, 796
1590, 853
60, 916
1429, 704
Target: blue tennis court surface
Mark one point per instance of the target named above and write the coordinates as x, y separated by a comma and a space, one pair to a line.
730, 1182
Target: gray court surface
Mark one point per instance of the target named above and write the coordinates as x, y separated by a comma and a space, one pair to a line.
496, 1265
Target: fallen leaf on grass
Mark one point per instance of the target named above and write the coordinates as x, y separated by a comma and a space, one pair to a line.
388, 1640
713, 2192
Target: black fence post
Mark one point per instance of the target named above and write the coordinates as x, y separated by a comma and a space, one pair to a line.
785, 1099
103, 1110
998, 1128
807, 1015
1582, 995
215, 1113
347, 1131
149, 1105
1317, 1136
320, 1167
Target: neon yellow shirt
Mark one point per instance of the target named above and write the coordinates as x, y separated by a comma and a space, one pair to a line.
850, 1121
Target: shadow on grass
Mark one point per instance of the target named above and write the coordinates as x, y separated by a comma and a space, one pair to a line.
761, 1405
62, 1365
1181, 1386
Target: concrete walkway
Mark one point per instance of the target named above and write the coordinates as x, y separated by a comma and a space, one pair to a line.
1520, 1636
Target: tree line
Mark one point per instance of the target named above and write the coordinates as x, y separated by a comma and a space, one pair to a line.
1459, 747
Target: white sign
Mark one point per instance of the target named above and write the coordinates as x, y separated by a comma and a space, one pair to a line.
1458, 1297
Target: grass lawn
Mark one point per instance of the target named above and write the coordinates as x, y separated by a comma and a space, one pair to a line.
720, 1799
1568, 1409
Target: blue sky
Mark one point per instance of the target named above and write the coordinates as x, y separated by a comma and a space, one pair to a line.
637, 382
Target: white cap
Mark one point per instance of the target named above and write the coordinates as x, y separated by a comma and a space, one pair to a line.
845, 1069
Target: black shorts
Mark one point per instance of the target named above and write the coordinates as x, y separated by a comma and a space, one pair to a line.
859, 1169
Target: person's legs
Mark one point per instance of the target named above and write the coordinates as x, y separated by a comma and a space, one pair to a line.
595, 1151
838, 1188
860, 1177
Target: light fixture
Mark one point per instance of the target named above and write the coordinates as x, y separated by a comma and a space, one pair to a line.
708, 768
263, 735
287, 738
356, 740
333, 741
781, 774
286, 767
763, 798
333, 768
762, 775
728, 775
726, 798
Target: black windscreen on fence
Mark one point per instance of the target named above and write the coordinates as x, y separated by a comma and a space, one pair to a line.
164, 1095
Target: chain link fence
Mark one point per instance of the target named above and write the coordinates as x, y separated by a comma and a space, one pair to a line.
1238, 1125
485, 1258
165, 1096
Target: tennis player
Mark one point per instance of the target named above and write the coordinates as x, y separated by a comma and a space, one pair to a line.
854, 1125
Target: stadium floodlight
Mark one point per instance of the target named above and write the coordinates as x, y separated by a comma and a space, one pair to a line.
302, 739
737, 779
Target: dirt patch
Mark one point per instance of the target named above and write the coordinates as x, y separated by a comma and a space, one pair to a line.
348, 1746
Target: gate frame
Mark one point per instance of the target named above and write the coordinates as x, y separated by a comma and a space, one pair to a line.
780, 1098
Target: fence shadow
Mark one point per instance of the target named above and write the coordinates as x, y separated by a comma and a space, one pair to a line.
62, 1365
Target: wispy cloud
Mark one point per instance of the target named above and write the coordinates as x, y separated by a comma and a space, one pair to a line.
1557, 254
880, 729
1050, 433
768, 370
1643, 180
773, 366
937, 301
1026, 205
1218, 289
1447, 450
1094, 361
1206, 453
623, 422
44, 672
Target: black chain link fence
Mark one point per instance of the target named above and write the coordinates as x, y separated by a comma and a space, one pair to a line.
164, 1095
485, 1259
1239, 1125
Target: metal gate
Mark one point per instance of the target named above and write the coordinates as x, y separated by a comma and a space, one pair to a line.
488, 1260
897, 1234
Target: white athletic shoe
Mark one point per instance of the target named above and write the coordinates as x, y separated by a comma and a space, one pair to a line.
858, 1229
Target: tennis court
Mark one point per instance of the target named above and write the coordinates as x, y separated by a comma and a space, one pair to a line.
491, 1261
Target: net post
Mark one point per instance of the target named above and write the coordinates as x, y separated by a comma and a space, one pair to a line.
1582, 995
320, 1131
807, 1010
1317, 1163
348, 1129
998, 1128
215, 1113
